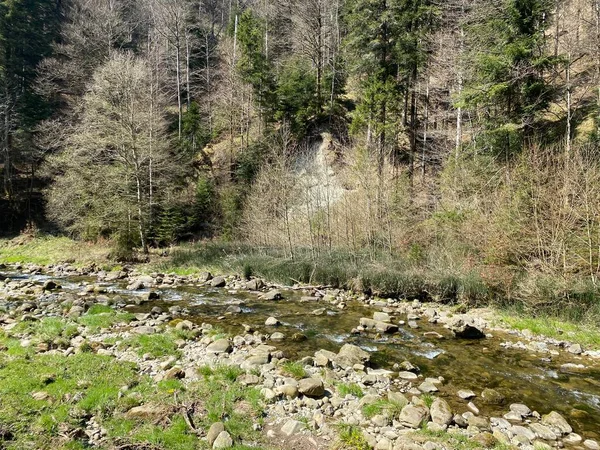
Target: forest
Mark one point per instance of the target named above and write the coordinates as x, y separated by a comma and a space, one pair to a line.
439, 147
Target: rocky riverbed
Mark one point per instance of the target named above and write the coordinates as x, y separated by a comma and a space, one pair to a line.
407, 375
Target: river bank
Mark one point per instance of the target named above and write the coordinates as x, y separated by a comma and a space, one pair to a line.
569, 323
319, 399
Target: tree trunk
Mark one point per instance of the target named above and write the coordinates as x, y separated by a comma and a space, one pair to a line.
178, 69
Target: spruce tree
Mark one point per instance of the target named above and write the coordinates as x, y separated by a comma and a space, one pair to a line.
509, 63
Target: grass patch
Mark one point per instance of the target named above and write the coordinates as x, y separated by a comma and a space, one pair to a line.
350, 389
376, 272
156, 345
428, 399
101, 316
555, 328
226, 400
84, 382
351, 437
293, 369
386, 407
52, 330
455, 441
46, 249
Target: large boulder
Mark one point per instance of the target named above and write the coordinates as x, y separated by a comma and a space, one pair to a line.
413, 416
466, 328
255, 284
219, 346
440, 412
311, 387
223, 440
218, 282
375, 325
557, 422
351, 354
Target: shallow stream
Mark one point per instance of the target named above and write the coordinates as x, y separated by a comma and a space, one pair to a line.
522, 376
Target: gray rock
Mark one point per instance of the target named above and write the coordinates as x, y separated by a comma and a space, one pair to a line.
233, 309
591, 444
427, 387
272, 295
572, 439
324, 358
465, 328
466, 395
407, 375
349, 355
374, 325
384, 444
249, 379
413, 416
204, 277
50, 285
278, 337
382, 317
218, 282
214, 431
272, 322
481, 423
485, 439
311, 387
397, 398
255, 285
519, 408
292, 427
492, 397
440, 412
223, 440
144, 330
288, 390
525, 434
555, 421
575, 349
543, 432
219, 346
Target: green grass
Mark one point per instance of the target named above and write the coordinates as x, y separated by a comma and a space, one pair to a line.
389, 408
428, 399
455, 441
101, 316
350, 389
351, 438
47, 249
226, 400
554, 327
156, 345
293, 369
83, 382
49, 330
87, 384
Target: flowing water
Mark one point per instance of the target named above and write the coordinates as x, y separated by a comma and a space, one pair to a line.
521, 376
